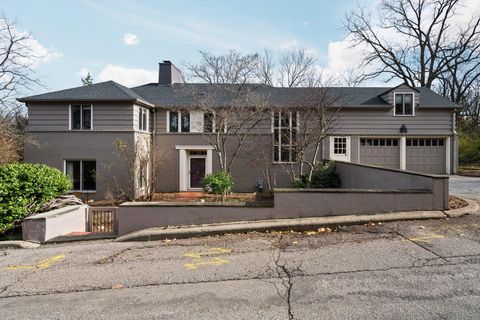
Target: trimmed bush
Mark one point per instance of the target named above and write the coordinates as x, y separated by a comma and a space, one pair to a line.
24, 188
324, 176
219, 182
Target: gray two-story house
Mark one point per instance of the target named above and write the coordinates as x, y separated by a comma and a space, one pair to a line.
78, 131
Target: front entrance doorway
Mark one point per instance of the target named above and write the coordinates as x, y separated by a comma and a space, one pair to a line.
196, 170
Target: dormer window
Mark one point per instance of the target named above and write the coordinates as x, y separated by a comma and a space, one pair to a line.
404, 104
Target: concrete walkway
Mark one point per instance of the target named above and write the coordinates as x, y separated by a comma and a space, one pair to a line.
299, 224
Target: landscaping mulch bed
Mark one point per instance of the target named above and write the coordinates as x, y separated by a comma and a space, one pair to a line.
456, 203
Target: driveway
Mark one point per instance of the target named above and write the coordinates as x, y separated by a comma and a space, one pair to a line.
468, 187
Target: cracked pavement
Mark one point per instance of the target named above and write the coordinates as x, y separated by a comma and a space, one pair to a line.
400, 270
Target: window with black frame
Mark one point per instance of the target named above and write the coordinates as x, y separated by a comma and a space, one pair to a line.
404, 104
82, 173
81, 117
285, 128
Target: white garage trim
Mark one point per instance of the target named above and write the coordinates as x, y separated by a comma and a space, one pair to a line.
447, 155
403, 153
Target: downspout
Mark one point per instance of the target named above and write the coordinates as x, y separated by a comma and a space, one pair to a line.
152, 150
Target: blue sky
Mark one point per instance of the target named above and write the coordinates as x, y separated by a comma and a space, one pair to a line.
82, 35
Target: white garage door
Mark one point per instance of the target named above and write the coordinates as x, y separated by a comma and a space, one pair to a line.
426, 155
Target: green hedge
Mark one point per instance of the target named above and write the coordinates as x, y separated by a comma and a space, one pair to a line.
24, 188
468, 148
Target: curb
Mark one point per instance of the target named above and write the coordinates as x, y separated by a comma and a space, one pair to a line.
18, 244
299, 224
472, 208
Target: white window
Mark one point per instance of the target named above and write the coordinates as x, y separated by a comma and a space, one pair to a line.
340, 148
142, 119
82, 173
81, 117
404, 104
285, 128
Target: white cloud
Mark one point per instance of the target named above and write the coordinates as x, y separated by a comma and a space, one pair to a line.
305, 23
83, 72
130, 39
127, 76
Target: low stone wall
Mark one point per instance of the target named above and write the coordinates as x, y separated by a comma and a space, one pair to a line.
365, 190
44, 226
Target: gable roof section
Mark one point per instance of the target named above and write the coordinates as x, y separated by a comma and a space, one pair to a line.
103, 91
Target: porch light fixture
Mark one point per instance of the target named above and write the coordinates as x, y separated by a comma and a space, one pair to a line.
403, 129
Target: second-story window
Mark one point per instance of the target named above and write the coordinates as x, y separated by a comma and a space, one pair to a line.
208, 121
285, 126
404, 104
142, 119
81, 117
178, 121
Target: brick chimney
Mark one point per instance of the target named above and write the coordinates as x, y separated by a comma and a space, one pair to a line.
168, 74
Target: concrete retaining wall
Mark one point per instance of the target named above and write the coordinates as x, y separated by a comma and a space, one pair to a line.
44, 226
366, 190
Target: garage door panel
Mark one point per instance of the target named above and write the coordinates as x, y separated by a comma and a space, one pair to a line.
426, 155
380, 151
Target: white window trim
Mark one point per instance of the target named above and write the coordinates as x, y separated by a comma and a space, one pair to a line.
413, 105
81, 174
81, 117
141, 110
340, 157
279, 128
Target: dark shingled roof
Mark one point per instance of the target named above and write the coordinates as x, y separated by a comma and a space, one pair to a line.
189, 94
186, 95
103, 91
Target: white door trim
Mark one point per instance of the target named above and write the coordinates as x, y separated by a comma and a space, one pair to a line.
184, 163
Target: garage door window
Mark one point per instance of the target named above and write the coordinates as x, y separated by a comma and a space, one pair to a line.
379, 142
428, 142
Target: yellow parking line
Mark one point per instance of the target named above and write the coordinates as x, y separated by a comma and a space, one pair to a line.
216, 261
427, 238
214, 251
44, 264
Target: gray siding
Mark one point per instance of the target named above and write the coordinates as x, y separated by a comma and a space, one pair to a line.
383, 122
55, 116
389, 97
52, 148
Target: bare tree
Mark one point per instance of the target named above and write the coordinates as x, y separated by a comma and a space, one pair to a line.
16, 76
232, 67
16, 58
295, 68
415, 40
139, 165
232, 114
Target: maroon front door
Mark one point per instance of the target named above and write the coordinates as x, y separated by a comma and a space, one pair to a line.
197, 172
